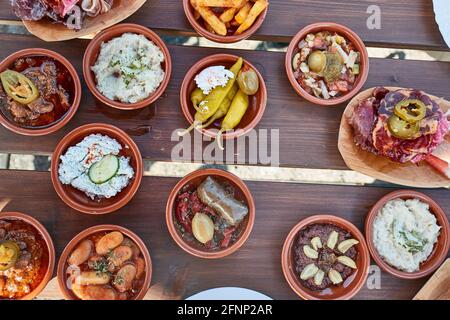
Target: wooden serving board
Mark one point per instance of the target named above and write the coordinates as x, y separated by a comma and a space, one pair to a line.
438, 287
408, 174
49, 31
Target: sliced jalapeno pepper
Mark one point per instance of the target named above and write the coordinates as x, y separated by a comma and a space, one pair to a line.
403, 129
411, 110
9, 253
19, 87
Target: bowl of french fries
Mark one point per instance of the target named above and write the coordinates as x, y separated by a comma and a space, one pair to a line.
226, 21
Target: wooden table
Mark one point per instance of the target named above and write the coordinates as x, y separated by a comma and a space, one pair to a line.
308, 139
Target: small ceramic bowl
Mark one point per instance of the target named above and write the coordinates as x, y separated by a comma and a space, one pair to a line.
50, 263
77, 199
199, 26
350, 36
40, 131
93, 50
440, 250
343, 292
61, 270
257, 102
191, 182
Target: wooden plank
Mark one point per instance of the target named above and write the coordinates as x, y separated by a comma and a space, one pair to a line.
308, 133
404, 23
256, 265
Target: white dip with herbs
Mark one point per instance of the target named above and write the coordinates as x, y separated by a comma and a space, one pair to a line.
404, 233
75, 164
128, 68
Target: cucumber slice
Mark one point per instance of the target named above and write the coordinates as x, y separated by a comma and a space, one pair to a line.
102, 171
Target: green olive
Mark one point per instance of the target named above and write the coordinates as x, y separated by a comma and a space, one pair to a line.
317, 61
411, 110
403, 129
248, 81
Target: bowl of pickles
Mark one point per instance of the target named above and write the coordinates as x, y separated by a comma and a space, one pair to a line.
223, 96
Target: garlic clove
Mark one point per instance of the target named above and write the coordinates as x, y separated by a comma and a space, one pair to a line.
335, 276
309, 271
332, 240
346, 261
310, 252
347, 244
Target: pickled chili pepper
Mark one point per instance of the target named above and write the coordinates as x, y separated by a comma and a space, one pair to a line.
403, 129
238, 107
223, 109
9, 253
196, 97
410, 110
19, 87
211, 103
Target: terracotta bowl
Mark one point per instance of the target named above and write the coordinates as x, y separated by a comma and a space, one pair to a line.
50, 263
199, 26
441, 247
93, 50
192, 181
77, 199
61, 270
350, 36
256, 107
349, 288
40, 131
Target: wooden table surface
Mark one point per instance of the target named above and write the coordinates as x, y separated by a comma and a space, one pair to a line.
308, 139
257, 265
405, 23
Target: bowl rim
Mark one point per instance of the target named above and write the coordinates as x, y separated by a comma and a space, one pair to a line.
348, 33
50, 247
331, 219
69, 113
218, 38
170, 220
209, 61
64, 144
99, 228
103, 36
437, 211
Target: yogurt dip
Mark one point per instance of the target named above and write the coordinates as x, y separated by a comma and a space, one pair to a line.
128, 68
404, 233
78, 159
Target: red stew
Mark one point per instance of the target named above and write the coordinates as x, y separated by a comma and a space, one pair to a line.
29, 266
56, 92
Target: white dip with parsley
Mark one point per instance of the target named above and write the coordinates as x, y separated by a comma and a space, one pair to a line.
404, 233
128, 68
77, 161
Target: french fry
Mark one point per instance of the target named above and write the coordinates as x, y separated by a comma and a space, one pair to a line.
216, 24
255, 11
209, 28
221, 3
228, 14
243, 12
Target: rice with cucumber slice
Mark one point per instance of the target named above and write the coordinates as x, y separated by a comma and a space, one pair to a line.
95, 167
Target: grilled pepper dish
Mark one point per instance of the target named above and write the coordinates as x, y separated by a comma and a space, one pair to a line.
210, 217
222, 97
